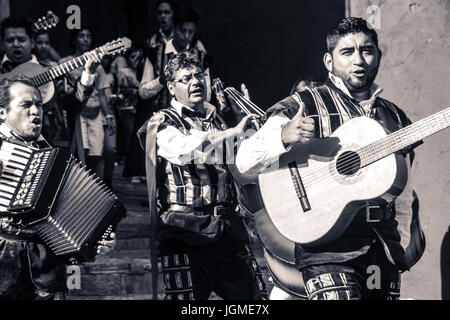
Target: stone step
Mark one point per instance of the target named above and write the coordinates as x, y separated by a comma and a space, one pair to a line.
133, 244
126, 188
126, 274
135, 225
137, 203
119, 273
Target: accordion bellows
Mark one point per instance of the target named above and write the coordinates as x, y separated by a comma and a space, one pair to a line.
68, 206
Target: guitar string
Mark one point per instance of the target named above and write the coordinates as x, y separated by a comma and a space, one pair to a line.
351, 165
317, 176
378, 145
347, 163
240, 104
344, 167
257, 109
240, 101
233, 95
55, 72
238, 96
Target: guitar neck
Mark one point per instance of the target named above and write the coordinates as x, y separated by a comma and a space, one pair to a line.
404, 137
61, 69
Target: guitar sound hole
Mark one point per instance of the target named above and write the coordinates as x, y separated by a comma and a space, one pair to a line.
348, 163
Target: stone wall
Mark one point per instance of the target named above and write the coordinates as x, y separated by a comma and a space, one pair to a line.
415, 40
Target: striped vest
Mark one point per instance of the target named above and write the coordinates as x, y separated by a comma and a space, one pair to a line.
330, 108
195, 185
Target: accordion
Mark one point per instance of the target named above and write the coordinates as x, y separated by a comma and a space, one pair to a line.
51, 192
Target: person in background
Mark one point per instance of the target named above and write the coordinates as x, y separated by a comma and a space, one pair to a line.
54, 125
44, 51
165, 13
153, 92
87, 117
153, 83
127, 99
110, 141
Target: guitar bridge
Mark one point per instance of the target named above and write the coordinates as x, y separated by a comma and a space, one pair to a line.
299, 187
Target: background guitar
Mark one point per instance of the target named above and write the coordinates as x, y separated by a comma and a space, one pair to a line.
43, 77
47, 22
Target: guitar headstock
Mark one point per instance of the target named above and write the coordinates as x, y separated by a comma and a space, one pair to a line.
50, 20
116, 46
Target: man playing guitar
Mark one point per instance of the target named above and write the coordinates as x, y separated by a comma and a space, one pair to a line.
17, 40
340, 269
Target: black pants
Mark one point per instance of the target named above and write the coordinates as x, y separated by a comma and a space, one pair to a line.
369, 276
193, 272
124, 132
28, 271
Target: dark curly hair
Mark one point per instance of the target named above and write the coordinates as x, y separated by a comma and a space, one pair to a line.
185, 59
16, 22
348, 26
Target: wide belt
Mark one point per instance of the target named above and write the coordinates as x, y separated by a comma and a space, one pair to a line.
378, 213
217, 210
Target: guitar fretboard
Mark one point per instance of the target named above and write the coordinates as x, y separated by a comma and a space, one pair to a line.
404, 137
61, 69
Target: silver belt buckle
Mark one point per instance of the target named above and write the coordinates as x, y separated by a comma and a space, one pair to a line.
216, 211
368, 219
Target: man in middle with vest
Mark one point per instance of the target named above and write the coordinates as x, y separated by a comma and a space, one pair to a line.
202, 240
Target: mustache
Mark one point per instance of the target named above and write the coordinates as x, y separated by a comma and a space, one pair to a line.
198, 87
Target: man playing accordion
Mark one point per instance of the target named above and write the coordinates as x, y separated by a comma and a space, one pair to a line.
28, 269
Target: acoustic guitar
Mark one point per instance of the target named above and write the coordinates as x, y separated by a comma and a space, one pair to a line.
314, 191
43, 77
280, 257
